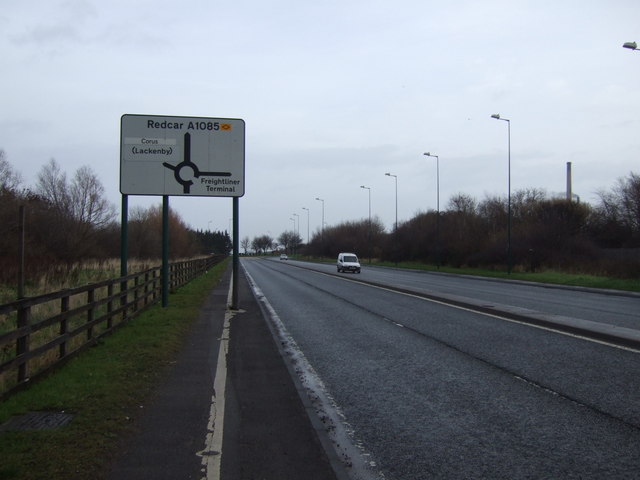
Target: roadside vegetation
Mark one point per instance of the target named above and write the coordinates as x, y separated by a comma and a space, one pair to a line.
550, 236
68, 222
72, 233
105, 388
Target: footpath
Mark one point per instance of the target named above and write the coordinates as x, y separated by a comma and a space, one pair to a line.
268, 434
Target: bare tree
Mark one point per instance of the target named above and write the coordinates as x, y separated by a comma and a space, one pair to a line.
245, 244
262, 243
627, 190
525, 202
290, 241
462, 203
145, 234
81, 201
87, 203
79, 209
9, 180
52, 186
617, 216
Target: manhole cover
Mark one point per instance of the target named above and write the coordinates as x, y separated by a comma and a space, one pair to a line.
36, 421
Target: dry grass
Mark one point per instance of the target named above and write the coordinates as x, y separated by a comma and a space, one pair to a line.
56, 279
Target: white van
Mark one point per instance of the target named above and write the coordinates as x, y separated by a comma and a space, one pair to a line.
348, 262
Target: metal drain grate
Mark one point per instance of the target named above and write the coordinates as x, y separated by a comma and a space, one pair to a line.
36, 421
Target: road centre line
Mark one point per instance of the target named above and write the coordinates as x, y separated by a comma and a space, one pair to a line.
478, 311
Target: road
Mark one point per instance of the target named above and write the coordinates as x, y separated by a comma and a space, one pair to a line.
428, 390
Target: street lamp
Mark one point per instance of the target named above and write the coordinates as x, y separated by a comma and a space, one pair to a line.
631, 45
369, 239
396, 179
497, 117
298, 230
305, 208
396, 225
322, 227
428, 154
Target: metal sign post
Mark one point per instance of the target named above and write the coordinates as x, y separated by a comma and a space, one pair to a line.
186, 156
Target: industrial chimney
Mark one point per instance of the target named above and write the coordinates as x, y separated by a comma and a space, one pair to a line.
569, 193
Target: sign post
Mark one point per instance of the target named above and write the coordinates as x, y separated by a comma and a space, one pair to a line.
185, 156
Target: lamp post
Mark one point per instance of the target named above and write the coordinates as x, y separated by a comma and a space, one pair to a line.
396, 179
369, 236
298, 218
497, 117
322, 226
305, 208
631, 45
291, 249
428, 154
396, 224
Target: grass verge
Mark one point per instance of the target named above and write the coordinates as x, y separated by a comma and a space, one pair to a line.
105, 388
547, 276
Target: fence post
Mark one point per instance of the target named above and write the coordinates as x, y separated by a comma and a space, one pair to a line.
153, 286
21, 273
123, 299
64, 307
91, 295
146, 288
23, 342
136, 285
110, 306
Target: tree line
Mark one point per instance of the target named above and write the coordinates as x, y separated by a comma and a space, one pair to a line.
546, 233
69, 220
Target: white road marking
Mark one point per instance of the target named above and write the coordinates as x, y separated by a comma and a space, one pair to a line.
348, 449
212, 453
486, 314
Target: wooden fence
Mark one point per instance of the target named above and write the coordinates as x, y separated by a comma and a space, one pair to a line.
38, 333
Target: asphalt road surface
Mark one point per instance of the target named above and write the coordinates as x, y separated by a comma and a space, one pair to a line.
615, 308
427, 390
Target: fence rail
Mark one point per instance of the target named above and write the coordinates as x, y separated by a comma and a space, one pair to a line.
38, 333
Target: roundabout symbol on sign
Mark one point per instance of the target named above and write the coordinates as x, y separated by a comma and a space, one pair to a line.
180, 172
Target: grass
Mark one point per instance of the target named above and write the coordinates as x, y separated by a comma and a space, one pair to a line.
105, 388
79, 275
57, 277
547, 276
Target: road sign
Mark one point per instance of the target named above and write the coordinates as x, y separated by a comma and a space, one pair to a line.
188, 156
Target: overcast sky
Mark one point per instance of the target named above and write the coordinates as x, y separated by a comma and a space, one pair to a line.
334, 94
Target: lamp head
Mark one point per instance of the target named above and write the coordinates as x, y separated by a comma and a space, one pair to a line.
631, 45
496, 116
